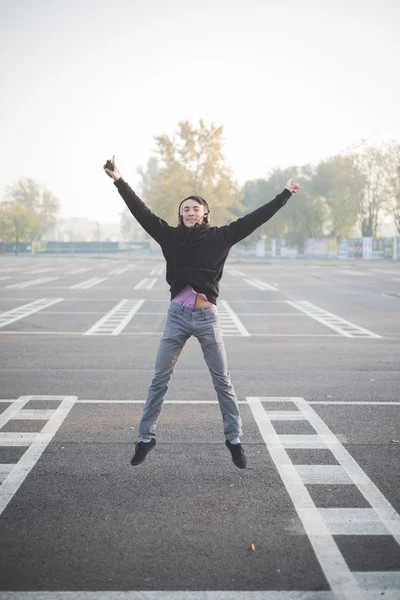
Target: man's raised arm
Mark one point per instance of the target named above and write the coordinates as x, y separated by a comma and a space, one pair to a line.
155, 226
244, 226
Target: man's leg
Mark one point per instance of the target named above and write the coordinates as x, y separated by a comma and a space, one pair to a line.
173, 340
208, 332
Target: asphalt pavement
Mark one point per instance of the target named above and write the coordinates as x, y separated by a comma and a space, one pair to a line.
314, 356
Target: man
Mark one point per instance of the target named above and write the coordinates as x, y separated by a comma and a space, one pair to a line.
195, 254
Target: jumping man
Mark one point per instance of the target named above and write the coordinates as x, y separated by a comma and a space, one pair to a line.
195, 253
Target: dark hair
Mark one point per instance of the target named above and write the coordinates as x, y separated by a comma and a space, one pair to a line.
198, 199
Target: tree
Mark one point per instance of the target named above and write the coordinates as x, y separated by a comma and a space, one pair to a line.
393, 207
191, 163
130, 230
339, 184
299, 219
17, 224
375, 165
29, 193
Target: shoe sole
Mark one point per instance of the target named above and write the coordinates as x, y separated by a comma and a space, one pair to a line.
238, 466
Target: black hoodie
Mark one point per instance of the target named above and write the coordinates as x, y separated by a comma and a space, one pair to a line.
196, 255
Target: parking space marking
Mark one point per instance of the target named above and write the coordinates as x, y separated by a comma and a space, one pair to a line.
261, 285
234, 272
322, 524
350, 272
42, 270
120, 270
31, 282
231, 325
77, 271
157, 270
145, 284
176, 595
36, 442
116, 319
332, 321
27, 309
84, 285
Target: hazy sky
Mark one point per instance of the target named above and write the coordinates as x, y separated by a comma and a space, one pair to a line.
291, 81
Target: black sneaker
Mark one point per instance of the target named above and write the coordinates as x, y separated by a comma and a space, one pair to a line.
238, 455
142, 449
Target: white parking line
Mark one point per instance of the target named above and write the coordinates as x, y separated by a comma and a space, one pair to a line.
27, 309
30, 283
37, 443
84, 285
235, 272
386, 271
145, 284
42, 270
178, 595
261, 285
231, 325
357, 273
157, 270
332, 321
117, 319
77, 271
120, 270
322, 524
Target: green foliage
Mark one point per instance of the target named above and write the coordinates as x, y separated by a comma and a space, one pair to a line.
40, 201
18, 223
191, 163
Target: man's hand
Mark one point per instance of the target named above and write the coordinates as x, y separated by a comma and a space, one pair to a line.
113, 174
292, 187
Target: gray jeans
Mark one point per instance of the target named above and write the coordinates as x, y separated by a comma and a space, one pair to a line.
204, 324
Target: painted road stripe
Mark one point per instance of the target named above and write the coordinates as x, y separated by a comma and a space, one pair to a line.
5, 470
31, 282
235, 272
335, 568
269, 413
322, 524
261, 285
157, 270
145, 284
17, 439
177, 595
34, 415
350, 272
117, 319
231, 325
42, 270
326, 474
39, 442
353, 521
84, 285
13, 409
77, 271
332, 321
26, 309
386, 271
368, 489
120, 270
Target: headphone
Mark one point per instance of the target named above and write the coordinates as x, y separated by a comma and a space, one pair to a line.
206, 216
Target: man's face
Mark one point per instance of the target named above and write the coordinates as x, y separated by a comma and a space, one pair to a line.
192, 212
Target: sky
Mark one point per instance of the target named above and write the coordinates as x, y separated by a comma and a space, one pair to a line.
291, 81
